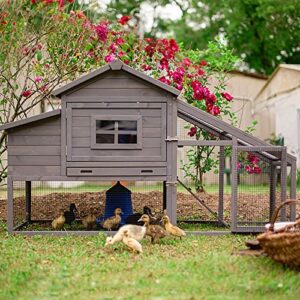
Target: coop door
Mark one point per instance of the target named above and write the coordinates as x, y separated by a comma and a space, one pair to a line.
114, 132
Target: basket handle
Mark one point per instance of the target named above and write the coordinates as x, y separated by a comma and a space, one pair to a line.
277, 210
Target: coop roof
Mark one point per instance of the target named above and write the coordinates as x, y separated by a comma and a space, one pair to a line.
116, 65
30, 120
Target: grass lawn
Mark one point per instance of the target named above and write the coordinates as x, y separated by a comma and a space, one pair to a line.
198, 267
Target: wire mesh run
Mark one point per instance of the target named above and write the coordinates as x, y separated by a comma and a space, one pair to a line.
50, 198
254, 199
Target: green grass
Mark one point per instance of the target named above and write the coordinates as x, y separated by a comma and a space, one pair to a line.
198, 267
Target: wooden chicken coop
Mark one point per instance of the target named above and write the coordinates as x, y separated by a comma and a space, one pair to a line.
117, 123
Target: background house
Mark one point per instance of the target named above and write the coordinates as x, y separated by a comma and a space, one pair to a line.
277, 107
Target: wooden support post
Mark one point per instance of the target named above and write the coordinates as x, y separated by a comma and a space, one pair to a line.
221, 184
273, 181
283, 180
293, 189
164, 195
234, 185
10, 205
172, 144
28, 200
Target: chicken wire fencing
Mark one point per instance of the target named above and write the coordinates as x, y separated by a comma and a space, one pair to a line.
203, 200
258, 191
36, 204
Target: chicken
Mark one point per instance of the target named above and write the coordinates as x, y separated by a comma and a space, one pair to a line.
133, 244
156, 232
89, 221
113, 222
59, 222
70, 214
134, 231
172, 229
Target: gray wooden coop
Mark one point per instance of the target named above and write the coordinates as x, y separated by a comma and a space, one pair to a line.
117, 123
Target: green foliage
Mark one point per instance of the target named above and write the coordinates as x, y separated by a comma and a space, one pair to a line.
263, 32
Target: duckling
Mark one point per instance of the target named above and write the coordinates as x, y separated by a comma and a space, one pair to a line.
58, 223
134, 231
70, 214
133, 244
156, 232
89, 221
113, 222
133, 219
172, 229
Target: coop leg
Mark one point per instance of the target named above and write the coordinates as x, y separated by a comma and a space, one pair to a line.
293, 191
273, 180
221, 185
10, 205
283, 180
164, 195
28, 201
171, 201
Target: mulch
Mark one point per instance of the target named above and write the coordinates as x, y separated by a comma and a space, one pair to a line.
48, 206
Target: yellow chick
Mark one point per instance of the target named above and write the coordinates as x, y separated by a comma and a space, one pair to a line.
89, 221
59, 222
132, 244
113, 222
172, 229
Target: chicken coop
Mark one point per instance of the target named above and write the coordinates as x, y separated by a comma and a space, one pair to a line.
118, 124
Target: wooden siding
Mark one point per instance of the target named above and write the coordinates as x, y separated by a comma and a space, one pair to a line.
153, 131
35, 148
116, 83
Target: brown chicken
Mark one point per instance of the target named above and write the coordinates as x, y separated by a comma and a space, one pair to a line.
172, 229
156, 232
113, 222
89, 221
59, 222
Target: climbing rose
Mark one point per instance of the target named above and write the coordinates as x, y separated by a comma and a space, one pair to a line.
192, 132
227, 96
164, 80
124, 20
119, 41
38, 79
102, 32
186, 62
146, 67
203, 63
26, 93
215, 110
109, 58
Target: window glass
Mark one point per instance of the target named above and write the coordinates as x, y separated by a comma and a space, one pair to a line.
127, 139
127, 125
105, 138
105, 125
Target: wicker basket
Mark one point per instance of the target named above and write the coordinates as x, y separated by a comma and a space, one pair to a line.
283, 245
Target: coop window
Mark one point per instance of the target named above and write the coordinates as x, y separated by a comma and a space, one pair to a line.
116, 132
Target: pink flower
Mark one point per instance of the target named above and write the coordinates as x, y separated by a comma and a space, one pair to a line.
119, 41
186, 62
177, 77
112, 47
215, 110
102, 32
203, 63
164, 64
257, 170
124, 20
109, 58
239, 166
201, 72
44, 88
26, 93
121, 53
164, 80
192, 132
248, 169
38, 79
180, 70
227, 96
146, 67
179, 86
